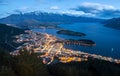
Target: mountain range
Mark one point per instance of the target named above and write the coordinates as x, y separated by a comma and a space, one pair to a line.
41, 17
38, 19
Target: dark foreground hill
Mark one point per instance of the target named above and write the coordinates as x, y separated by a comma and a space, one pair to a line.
6, 36
28, 64
93, 67
25, 64
113, 23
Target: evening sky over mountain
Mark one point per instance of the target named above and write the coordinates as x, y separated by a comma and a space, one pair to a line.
89, 8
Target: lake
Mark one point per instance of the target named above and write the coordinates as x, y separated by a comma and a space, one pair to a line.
107, 39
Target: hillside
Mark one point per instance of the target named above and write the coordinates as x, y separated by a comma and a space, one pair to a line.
113, 23
6, 36
93, 67
25, 64
28, 23
28, 64
36, 24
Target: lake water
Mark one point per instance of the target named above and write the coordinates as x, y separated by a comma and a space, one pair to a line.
107, 40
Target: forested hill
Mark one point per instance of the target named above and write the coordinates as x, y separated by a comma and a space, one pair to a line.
6, 36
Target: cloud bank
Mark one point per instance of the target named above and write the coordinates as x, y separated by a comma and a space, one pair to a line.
98, 10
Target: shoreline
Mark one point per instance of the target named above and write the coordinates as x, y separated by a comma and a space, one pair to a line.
45, 43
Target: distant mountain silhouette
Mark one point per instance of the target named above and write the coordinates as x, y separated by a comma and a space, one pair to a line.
113, 23
46, 17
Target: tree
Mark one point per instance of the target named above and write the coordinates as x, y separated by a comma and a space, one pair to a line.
28, 64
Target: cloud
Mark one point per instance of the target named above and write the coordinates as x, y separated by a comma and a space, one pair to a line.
78, 13
94, 7
54, 8
100, 10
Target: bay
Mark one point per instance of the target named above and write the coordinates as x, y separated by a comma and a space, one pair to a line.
107, 39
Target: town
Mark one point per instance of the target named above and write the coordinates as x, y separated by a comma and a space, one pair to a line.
53, 50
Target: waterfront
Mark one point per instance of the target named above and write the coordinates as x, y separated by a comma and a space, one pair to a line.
107, 40
52, 50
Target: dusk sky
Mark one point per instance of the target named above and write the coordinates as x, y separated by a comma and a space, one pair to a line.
89, 8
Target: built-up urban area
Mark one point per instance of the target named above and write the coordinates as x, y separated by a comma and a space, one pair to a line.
53, 51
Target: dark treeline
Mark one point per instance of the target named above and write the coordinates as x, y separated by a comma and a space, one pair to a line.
25, 64
28, 64
92, 67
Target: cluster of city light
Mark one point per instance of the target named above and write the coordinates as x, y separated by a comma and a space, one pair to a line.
46, 43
